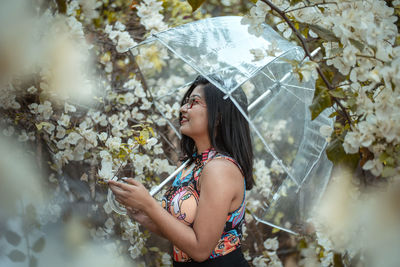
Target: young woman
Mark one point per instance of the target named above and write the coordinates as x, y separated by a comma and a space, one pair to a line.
203, 211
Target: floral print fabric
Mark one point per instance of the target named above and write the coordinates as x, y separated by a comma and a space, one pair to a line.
182, 198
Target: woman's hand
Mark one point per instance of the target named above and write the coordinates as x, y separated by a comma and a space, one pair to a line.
139, 216
132, 194
142, 218
136, 199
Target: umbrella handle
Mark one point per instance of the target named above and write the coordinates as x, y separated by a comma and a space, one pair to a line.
169, 178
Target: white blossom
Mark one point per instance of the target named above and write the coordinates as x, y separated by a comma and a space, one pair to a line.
150, 17
257, 53
157, 149
60, 132
374, 165
150, 143
69, 108
260, 261
166, 259
326, 131
23, 137
48, 127
262, 177
309, 71
32, 90
64, 120
107, 208
103, 136
113, 143
276, 167
119, 26
125, 42
256, 17
109, 224
271, 244
146, 104
352, 142
73, 138
9, 131
45, 109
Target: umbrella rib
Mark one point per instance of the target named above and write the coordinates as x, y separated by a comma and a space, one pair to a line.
169, 178
284, 87
263, 141
277, 84
273, 225
273, 76
300, 87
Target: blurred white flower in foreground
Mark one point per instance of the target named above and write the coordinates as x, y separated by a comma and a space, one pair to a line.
365, 223
20, 179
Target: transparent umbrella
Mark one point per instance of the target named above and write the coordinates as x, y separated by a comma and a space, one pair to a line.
291, 167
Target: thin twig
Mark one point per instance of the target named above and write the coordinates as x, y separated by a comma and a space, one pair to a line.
314, 5
139, 71
307, 51
370, 57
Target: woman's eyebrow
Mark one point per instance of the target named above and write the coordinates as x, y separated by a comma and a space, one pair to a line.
195, 95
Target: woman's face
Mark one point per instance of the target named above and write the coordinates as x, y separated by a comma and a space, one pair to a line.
194, 122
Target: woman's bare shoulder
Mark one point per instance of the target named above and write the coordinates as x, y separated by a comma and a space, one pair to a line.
224, 169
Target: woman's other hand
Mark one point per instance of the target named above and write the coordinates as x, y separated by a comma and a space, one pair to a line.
139, 216
144, 220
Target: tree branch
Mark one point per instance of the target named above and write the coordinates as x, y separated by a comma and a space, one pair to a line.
307, 51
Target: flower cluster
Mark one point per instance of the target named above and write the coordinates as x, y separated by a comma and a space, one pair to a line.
150, 17
120, 37
269, 257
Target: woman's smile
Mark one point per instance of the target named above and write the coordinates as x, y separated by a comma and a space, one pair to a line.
184, 119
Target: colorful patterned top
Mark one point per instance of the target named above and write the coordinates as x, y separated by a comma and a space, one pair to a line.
182, 198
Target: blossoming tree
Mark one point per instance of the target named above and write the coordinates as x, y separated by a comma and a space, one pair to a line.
73, 97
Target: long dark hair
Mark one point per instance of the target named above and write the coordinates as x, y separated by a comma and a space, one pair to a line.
228, 130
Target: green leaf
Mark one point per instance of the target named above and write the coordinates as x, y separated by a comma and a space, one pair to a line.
323, 33
62, 6
321, 101
360, 46
338, 93
387, 159
13, 238
337, 260
195, 4
333, 114
17, 255
302, 244
33, 262
39, 244
294, 2
337, 155
388, 171
330, 36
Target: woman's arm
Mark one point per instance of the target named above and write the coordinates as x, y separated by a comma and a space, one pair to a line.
221, 184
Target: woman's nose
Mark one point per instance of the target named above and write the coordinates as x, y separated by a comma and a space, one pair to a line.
184, 108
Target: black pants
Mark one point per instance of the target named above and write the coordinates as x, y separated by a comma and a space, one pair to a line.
233, 259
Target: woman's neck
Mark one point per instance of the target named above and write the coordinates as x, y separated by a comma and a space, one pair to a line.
202, 146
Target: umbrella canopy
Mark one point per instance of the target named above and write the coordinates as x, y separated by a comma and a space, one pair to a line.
290, 164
